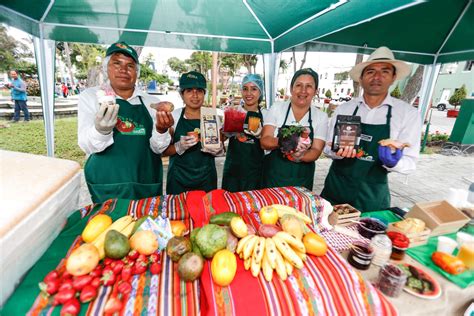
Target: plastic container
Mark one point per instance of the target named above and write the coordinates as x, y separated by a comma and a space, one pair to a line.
234, 119
446, 245
369, 227
360, 256
382, 246
400, 244
391, 280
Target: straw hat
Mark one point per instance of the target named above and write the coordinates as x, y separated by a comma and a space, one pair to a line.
381, 55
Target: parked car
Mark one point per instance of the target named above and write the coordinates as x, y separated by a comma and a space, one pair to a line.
442, 106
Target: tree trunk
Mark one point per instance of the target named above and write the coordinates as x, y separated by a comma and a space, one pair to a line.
303, 61
69, 66
356, 85
95, 76
294, 60
413, 86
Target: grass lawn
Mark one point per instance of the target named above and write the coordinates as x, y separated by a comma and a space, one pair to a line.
30, 138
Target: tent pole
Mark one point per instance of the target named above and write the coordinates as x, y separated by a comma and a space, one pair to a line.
270, 64
45, 51
214, 79
430, 72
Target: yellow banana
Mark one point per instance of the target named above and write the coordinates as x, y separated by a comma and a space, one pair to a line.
242, 242
270, 250
284, 209
292, 241
266, 268
127, 231
302, 256
247, 263
259, 250
255, 266
287, 252
280, 267
118, 225
249, 246
289, 267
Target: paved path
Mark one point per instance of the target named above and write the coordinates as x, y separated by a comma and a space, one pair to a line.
434, 176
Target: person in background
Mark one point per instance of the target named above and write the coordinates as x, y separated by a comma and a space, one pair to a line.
190, 168
64, 90
18, 94
244, 158
116, 128
360, 177
296, 169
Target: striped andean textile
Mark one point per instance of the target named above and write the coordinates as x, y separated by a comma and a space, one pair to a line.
327, 285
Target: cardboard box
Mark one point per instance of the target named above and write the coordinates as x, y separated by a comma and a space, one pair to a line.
440, 216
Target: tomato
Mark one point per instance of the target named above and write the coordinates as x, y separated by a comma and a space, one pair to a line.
223, 267
315, 244
268, 215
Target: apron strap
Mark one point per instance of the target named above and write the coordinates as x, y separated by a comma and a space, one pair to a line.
287, 112
389, 115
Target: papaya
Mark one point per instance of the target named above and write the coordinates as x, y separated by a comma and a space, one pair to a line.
116, 245
95, 227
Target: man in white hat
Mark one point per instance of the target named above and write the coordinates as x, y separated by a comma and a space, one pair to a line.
359, 177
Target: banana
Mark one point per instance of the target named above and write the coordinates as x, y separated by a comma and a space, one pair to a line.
118, 225
127, 231
255, 266
247, 263
287, 252
289, 267
292, 241
249, 246
259, 250
284, 209
280, 267
266, 268
241, 244
302, 256
270, 250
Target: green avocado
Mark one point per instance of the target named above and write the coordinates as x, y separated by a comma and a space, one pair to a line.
223, 218
116, 245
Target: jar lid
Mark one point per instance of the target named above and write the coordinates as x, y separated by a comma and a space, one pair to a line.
381, 241
399, 240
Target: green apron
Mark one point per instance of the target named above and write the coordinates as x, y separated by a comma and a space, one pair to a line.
193, 170
279, 171
128, 168
361, 182
243, 163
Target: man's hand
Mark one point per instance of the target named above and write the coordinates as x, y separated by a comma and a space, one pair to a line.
388, 158
106, 118
164, 120
185, 142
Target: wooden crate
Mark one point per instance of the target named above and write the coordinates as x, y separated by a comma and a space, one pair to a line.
344, 219
416, 239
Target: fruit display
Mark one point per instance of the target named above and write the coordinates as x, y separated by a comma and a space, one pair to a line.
190, 266
210, 239
315, 244
223, 267
144, 241
177, 247
82, 260
119, 225
178, 228
116, 245
95, 227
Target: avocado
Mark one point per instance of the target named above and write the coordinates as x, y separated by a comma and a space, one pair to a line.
223, 218
116, 245
190, 266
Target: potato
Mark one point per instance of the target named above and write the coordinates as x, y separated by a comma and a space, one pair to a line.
268, 230
144, 241
82, 260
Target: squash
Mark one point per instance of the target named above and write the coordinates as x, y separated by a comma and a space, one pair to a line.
223, 267
82, 260
95, 227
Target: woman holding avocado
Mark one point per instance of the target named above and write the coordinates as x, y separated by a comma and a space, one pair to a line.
244, 158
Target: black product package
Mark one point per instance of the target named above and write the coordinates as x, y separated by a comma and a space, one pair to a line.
346, 132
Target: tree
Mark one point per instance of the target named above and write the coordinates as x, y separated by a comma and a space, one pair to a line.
201, 62
303, 61
12, 51
87, 60
283, 65
396, 92
459, 95
228, 65
341, 76
328, 94
413, 86
249, 61
356, 85
178, 65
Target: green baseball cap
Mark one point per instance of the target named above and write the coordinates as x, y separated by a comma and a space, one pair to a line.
192, 79
124, 48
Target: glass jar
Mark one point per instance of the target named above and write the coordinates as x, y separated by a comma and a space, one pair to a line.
382, 246
400, 244
391, 280
360, 256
